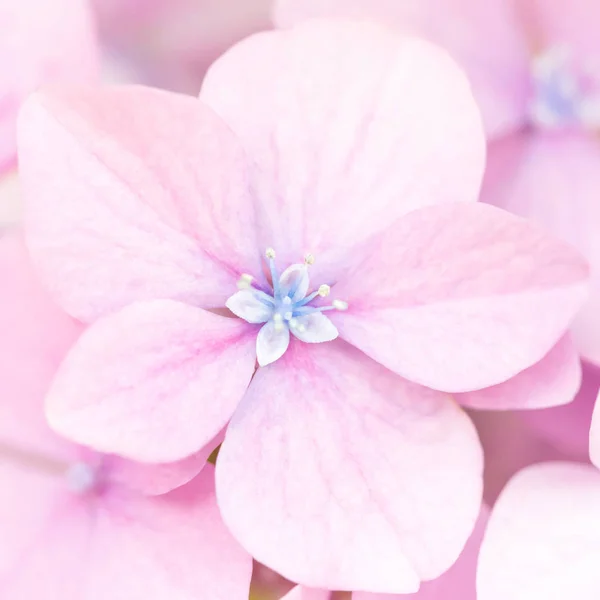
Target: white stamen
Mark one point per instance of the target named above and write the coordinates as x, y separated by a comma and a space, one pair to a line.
245, 281
270, 253
278, 322
293, 322
287, 300
324, 290
288, 316
301, 328
339, 305
309, 259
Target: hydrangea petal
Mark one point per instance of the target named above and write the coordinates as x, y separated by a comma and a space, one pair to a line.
347, 124
253, 306
157, 479
485, 39
271, 343
133, 194
35, 338
553, 180
543, 537
173, 546
361, 457
314, 329
154, 382
552, 381
458, 583
477, 296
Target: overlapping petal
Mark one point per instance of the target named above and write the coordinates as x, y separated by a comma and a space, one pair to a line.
378, 480
345, 129
134, 194
553, 381
461, 297
154, 382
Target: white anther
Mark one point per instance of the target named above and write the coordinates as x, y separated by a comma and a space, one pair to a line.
324, 290
293, 323
288, 316
277, 318
287, 300
301, 328
245, 281
339, 305
270, 253
309, 259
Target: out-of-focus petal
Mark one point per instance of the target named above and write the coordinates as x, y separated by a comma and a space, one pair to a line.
543, 536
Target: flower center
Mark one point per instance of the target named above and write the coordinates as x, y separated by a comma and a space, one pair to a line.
563, 94
285, 307
82, 478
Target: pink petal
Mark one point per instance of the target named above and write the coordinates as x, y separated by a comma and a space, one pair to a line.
595, 434
460, 297
543, 538
10, 199
154, 382
35, 337
484, 38
336, 473
174, 546
133, 194
349, 125
458, 583
41, 42
552, 381
552, 179
154, 480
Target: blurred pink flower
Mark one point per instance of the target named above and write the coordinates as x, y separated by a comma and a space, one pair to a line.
543, 538
173, 42
535, 70
458, 583
78, 524
41, 41
339, 468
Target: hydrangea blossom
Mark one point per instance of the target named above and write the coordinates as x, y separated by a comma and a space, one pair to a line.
41, 41
535, 73
79, 524
338, 147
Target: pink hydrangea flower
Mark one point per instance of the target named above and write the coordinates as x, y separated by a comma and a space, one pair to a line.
41, 41
535, 72
458, 583
78, 524
347, 464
